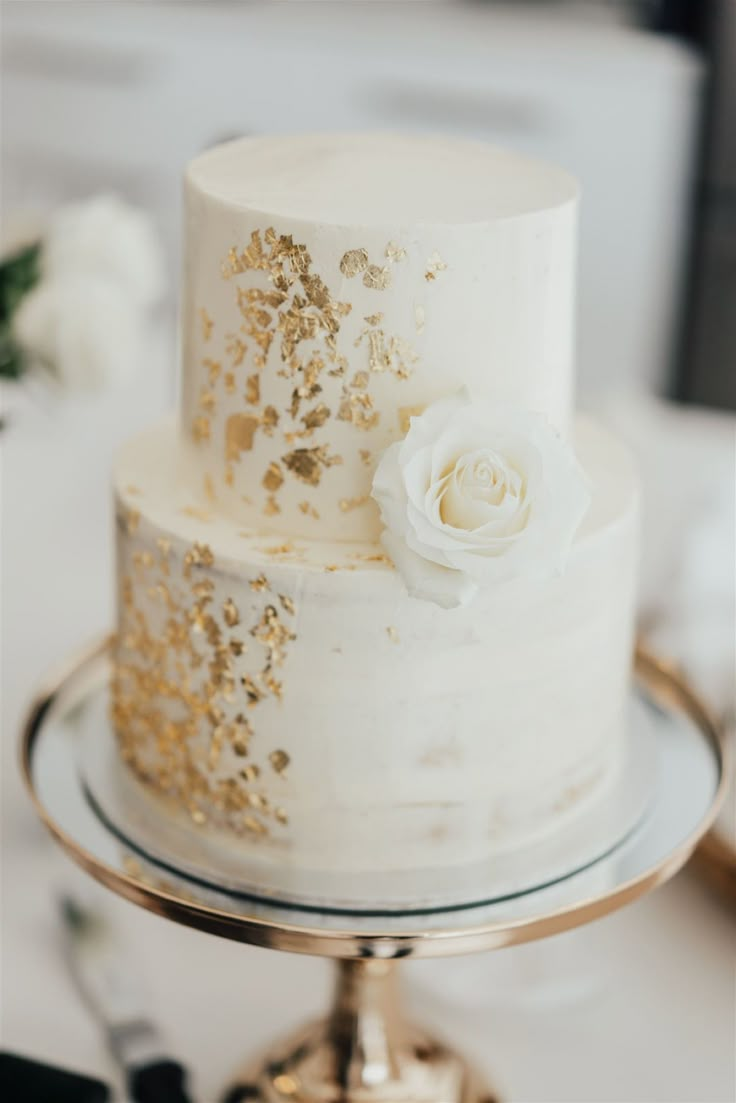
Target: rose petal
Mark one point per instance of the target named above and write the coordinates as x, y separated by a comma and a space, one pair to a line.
427, 581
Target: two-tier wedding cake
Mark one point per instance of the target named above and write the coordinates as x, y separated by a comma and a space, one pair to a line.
376, 581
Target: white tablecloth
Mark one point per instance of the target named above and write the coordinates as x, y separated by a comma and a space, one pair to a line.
638, 1008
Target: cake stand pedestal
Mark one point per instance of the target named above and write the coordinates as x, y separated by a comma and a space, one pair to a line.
365, 1051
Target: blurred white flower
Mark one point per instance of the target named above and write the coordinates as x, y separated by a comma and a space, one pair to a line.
107, 238
82, 329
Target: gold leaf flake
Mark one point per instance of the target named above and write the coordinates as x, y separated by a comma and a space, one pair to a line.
353, 262
250, 773
316, 417
213, 370
132, 520
196, 512
230, 613
406, 413
279, 761
229, 381
435, 264
240, 430
287, 604
273, 478
253, 389
366, 456
259, 584
282, 817
379, 279
272, 507
358, 409
201, 428
269, 419
207, 400
236, 349
309, 510
347, 504
374, 319
207, 324
394, 252
360, 380
308, 463
392, 634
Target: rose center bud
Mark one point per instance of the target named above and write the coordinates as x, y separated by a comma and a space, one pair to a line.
478, 489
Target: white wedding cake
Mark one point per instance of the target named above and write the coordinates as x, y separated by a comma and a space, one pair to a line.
376, 581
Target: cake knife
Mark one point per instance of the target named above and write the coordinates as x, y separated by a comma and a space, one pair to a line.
111, 987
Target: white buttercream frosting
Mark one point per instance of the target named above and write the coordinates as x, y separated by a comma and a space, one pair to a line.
415, 735
333, 285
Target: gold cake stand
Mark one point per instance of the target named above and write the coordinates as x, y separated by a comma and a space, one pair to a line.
365, 1051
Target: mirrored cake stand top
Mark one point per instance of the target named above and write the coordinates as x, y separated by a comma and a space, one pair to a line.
687, 787
365, 1050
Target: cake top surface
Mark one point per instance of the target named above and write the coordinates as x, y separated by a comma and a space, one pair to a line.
371, 179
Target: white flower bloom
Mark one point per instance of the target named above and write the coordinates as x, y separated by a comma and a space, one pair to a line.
477, 494
108, 238
82, 329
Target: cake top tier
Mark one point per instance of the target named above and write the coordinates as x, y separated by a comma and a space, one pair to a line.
335, 285
371, 179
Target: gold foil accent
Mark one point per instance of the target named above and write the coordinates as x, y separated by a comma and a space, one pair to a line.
366, 456
229, 382
253, 389
236, 349
201, 428
279, 761
287, 604
196, 512
259, 584
406, 413
353, 262
309, 510
308, 463
214, 367
207, 324
394, 252
348, 504
374, 319
269, 419
434, 265
132, 519
230, 612
358, 409
313, 419
207, 401
272, 507
392, 634
274, 477
379, 279
240, 430
209, 489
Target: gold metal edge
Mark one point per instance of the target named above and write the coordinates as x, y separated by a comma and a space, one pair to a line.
664, 681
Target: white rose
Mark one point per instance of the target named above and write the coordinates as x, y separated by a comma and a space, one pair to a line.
82, 329
110, 239
477, 494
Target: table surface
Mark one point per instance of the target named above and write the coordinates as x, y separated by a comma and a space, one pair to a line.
637, 1008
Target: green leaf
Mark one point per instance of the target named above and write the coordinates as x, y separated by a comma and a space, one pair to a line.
19, 273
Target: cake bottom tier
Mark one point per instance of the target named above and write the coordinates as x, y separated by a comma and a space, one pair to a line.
293, 697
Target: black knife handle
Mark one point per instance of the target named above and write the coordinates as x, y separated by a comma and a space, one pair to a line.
159, 1082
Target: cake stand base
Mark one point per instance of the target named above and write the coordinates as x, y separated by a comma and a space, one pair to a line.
363, 1052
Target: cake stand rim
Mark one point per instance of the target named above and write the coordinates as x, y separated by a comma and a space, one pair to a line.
663, 679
